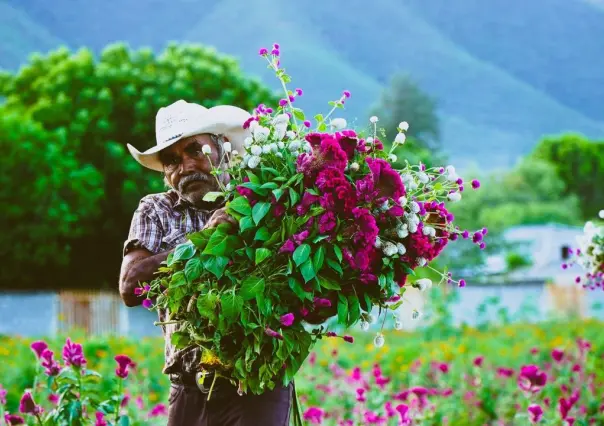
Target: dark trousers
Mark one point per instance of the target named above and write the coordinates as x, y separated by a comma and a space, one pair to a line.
190, 407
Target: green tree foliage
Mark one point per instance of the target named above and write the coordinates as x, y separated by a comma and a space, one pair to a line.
99, 105
48, 197
579, 163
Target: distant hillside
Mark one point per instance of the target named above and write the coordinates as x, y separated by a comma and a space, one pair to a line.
505, 72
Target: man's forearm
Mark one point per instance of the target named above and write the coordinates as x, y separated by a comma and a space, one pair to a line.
143, 270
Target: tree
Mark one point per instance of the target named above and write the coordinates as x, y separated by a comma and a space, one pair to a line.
48, 198
579, 163
100, 104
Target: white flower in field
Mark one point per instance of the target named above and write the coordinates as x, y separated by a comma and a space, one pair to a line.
413, 228
278, 154
402, 201
273, 147
378, 242
401, 249
427, 230
338, 123
244, 161
229, 186
379, 340
369, 140
414, 207
373, 119
280, 145
247, 142
421, 262
400, 139
392, 158
354, 167
261, 133
294, 145
290, 134
206, 149
454, 196
235, 153
424, 284
390, 249
364, 325
280, 131
423, 178
402, 232
403, 125
253, 125
256, 150
266, 149
253, 162
601, 214
227, 147
281, 119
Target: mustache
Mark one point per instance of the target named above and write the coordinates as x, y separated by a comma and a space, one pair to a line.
196, 177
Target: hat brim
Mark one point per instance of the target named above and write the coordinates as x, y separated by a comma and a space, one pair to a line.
219, 120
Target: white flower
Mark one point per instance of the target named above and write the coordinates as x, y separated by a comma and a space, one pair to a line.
273, 147
390, 249
338, 123
280, 145
378, 242
454, 196
400, 139
421, 262
235, 153
354, 167
369, 140
229, 186
403, 125
423, 178
413, 228
601, 214
253, 125
427, 230
206, 149
379, 340
280, 130
253, 162
247, 142
398, 325
294, 145
424, 284
261, 133
373, 119
402, 232
227, 147
306, 147
281, 119
290, 134
278, 154
402, 201
364, 325
414, 207
256, 150
392, 158
265, 149
385, 206
450, 170
401, 249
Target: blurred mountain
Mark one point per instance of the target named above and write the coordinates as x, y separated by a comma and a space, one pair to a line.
504, 73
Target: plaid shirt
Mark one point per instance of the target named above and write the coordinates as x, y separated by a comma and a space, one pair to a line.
161, 222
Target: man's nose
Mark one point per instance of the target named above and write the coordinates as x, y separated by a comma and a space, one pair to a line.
191, 165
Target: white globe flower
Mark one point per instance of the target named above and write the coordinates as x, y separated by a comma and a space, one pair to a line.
390, 249
273, 147
247, 142
278, 154
378, 243
369, 140
413, 228
280, 145
235, 153
421, 262
364, 325
227, 147
423, 178
338, 123
253, 162
401, 249
253, 125
290, 134
392, 158
414, 207
454, 197
306, 147
424, 284
354, 167
266, 149
403, 125
427, 230
280, 131
373, 119
206, 149
281, 119
402, 233
400, 139
261, 133
601, 214
402, 201
256, 150
379, 340
294, 145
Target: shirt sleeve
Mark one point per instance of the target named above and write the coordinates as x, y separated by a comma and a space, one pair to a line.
145, 230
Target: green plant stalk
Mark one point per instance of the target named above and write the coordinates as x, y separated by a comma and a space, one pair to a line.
119, 399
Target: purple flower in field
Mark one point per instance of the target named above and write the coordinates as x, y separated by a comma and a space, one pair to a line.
348, 339
361, 395
314, 415
272, 333
263, 51
39, 347
3, 393
287, 319
287, 247
557, 355
306, 123
300, 237
72, 354
51, 367
100, 419
53, 398
282, 102
565, 405
147, 304
403, 411
346, 94
462, 283
13, 420
475, 184
531, 379
322, 303
123, 362
158, 410
478, 361
505, 372
443, 367
465, 235
299, 92
535, 413
28, 406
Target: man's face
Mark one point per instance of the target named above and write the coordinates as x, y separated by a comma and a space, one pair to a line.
188, 169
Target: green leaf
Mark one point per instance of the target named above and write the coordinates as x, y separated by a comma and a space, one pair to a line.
262, 234
183, 251
262, 254
275, 238
271, 170
342, 309
245, 223
124, 421
278, 193
200, 239
319, 238
263, 306
307, 270
240, 205
301, 254
335, 266
322, 127
75, 411
251, 286
338, 253
298, 290
329, 284
299, 114
180, 339
407, 269
231, 305
318, 258
178, 280
354, 309
193, 269
319, 118
221, 244
206, 305
293, 196
259, 211
269, 185
216, 265
253, 178
212, 196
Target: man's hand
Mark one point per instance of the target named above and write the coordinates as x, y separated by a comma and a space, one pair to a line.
220, 216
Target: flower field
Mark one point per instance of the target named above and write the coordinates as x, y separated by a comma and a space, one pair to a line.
516, 374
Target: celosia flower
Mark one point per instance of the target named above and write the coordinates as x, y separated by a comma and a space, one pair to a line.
531, 379
51, 367
123, 362
361, 395
28, 406
403, 411
327, 222
39, 347
100, 419
53, 398
535, 413
73, 355
13, 420
287, 247
322, 303
272, 333
557, 355
287, 319
478, 361
158, 410
314, 415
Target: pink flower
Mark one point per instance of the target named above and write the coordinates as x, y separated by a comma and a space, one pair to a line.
100, 419
287, 247
28, 406
3, 393
535, 413
557, 355
51, 367
403, 411
39, 347
478, 361
322, 303
531, 379
272, 333
300, 237
443, 367
327, 222
287, 319
53, 398
314, 415
361, 395
123, 362
13, 420
158, 410
505, 372
348, 339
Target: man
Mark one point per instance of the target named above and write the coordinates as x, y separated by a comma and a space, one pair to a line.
189, 137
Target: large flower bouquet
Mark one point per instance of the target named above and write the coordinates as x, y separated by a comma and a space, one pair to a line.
328, 228
590, 254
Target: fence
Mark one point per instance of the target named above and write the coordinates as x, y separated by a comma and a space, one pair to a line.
94, 312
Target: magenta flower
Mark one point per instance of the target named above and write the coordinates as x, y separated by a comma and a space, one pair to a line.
557, 355
300, 237
272, 333
287, 247
123, 362
287, 319
282, 102
158, 410
263, 51
72, 354
478, 361
361, 395
314, 415
39, 347
51, 367
147, 304
28, 406
535, 413
322, 303
3, 393
346, 94
403, 411
53, 398
100, 419
531, 379
475, 184
13, 420
348, 339
327, 222
306, 123
505, 372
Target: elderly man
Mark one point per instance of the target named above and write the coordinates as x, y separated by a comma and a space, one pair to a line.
185, 133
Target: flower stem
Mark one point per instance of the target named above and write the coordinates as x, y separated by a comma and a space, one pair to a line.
166, 322
212, 386
39, 420
119, 402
